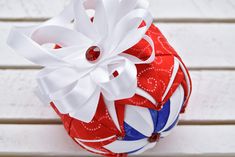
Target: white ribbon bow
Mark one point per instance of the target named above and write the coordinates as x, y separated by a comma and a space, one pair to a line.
68, 79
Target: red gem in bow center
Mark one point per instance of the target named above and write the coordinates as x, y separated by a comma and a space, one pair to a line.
93, 53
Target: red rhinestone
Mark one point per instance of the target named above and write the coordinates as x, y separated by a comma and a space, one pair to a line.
92, 19
93, 53
154, 138
115, 73
57, 46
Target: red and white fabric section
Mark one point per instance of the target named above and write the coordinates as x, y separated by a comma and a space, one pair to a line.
113, 78
133, 125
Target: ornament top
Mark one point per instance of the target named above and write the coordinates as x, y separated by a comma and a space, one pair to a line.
91, 51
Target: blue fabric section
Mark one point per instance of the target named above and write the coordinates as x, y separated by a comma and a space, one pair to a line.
160, 117
175, 122
154, 115
159, 120
131, 133
172, 125
163, 116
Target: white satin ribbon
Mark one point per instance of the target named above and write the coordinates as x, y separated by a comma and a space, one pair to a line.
68, 79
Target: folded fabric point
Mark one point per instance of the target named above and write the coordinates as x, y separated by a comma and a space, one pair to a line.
154, 137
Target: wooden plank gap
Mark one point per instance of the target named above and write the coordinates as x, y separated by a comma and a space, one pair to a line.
19, 154
20, 67
211, 68
58, 122
156, 20
206, 122
29, 67
194, 20
23, 19
31, 121
39, 154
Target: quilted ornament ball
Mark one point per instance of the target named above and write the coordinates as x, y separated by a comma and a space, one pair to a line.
114, 80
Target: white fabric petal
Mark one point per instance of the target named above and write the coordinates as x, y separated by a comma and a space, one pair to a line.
183, 68
140, 119
168, 132
112, 112
176, 101
126, 146
146, 147
90, 148
98, 140
173, 75
146, 95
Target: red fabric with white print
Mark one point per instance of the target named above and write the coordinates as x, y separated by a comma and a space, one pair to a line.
152, 78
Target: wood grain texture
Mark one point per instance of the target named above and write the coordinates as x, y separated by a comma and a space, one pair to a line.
199, 45
193, 10
203, 33
212, 98
162, 10
52, 140
202, 45
8, 56
18, 99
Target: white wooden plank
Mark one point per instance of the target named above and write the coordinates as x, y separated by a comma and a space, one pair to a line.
30, 8
18, 100
53, 140
212, 98
161, 9
8, 56
200, 45
192, 9
37, 140
197, 141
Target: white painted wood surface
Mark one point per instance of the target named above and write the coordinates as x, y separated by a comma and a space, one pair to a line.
161, 9
200, 45
202, 31
212, 97
52, 140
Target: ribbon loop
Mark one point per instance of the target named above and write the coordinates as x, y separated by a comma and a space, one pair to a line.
121, 86
69, 80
